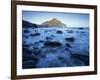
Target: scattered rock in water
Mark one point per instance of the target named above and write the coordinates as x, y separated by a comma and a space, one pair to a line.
35, 48
48, 38
49, 61
46, 31
28, 64
70, 39
81, 57
36, 51
52, 44
60, 57
26, 36
68, 45
59, 32
36, 42
36, 34
32, 34
41, 41
25, 45
70, 31
82, 32
27, 56
26, 52
66, 30
26, 31
35, 30
52, 36
80, 28
67, 49
78, 62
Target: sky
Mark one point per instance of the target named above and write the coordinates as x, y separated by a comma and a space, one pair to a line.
70, 19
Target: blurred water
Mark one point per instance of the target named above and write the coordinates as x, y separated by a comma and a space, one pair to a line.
75, 47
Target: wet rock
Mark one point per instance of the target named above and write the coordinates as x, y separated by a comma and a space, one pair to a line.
26, 51
66, 30
36, 51
60, 57
49, 61
52, 36
36, 34
77, 62
83, 32
83, 58
35, 48
26, 31
41, 41
67, 49
80, 28
25, 45
70, 39
59, 32
48, 38
70, 31
28, 64
26, 54
26, 36
68, 45
52, 44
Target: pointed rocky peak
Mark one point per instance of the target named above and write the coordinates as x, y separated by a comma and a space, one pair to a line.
54, 23
54, 19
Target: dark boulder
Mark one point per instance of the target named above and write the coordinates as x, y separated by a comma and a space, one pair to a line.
70, 39
81, 28
52, 44
41, 41
26, 31
59, 32
48, 38
68, 45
